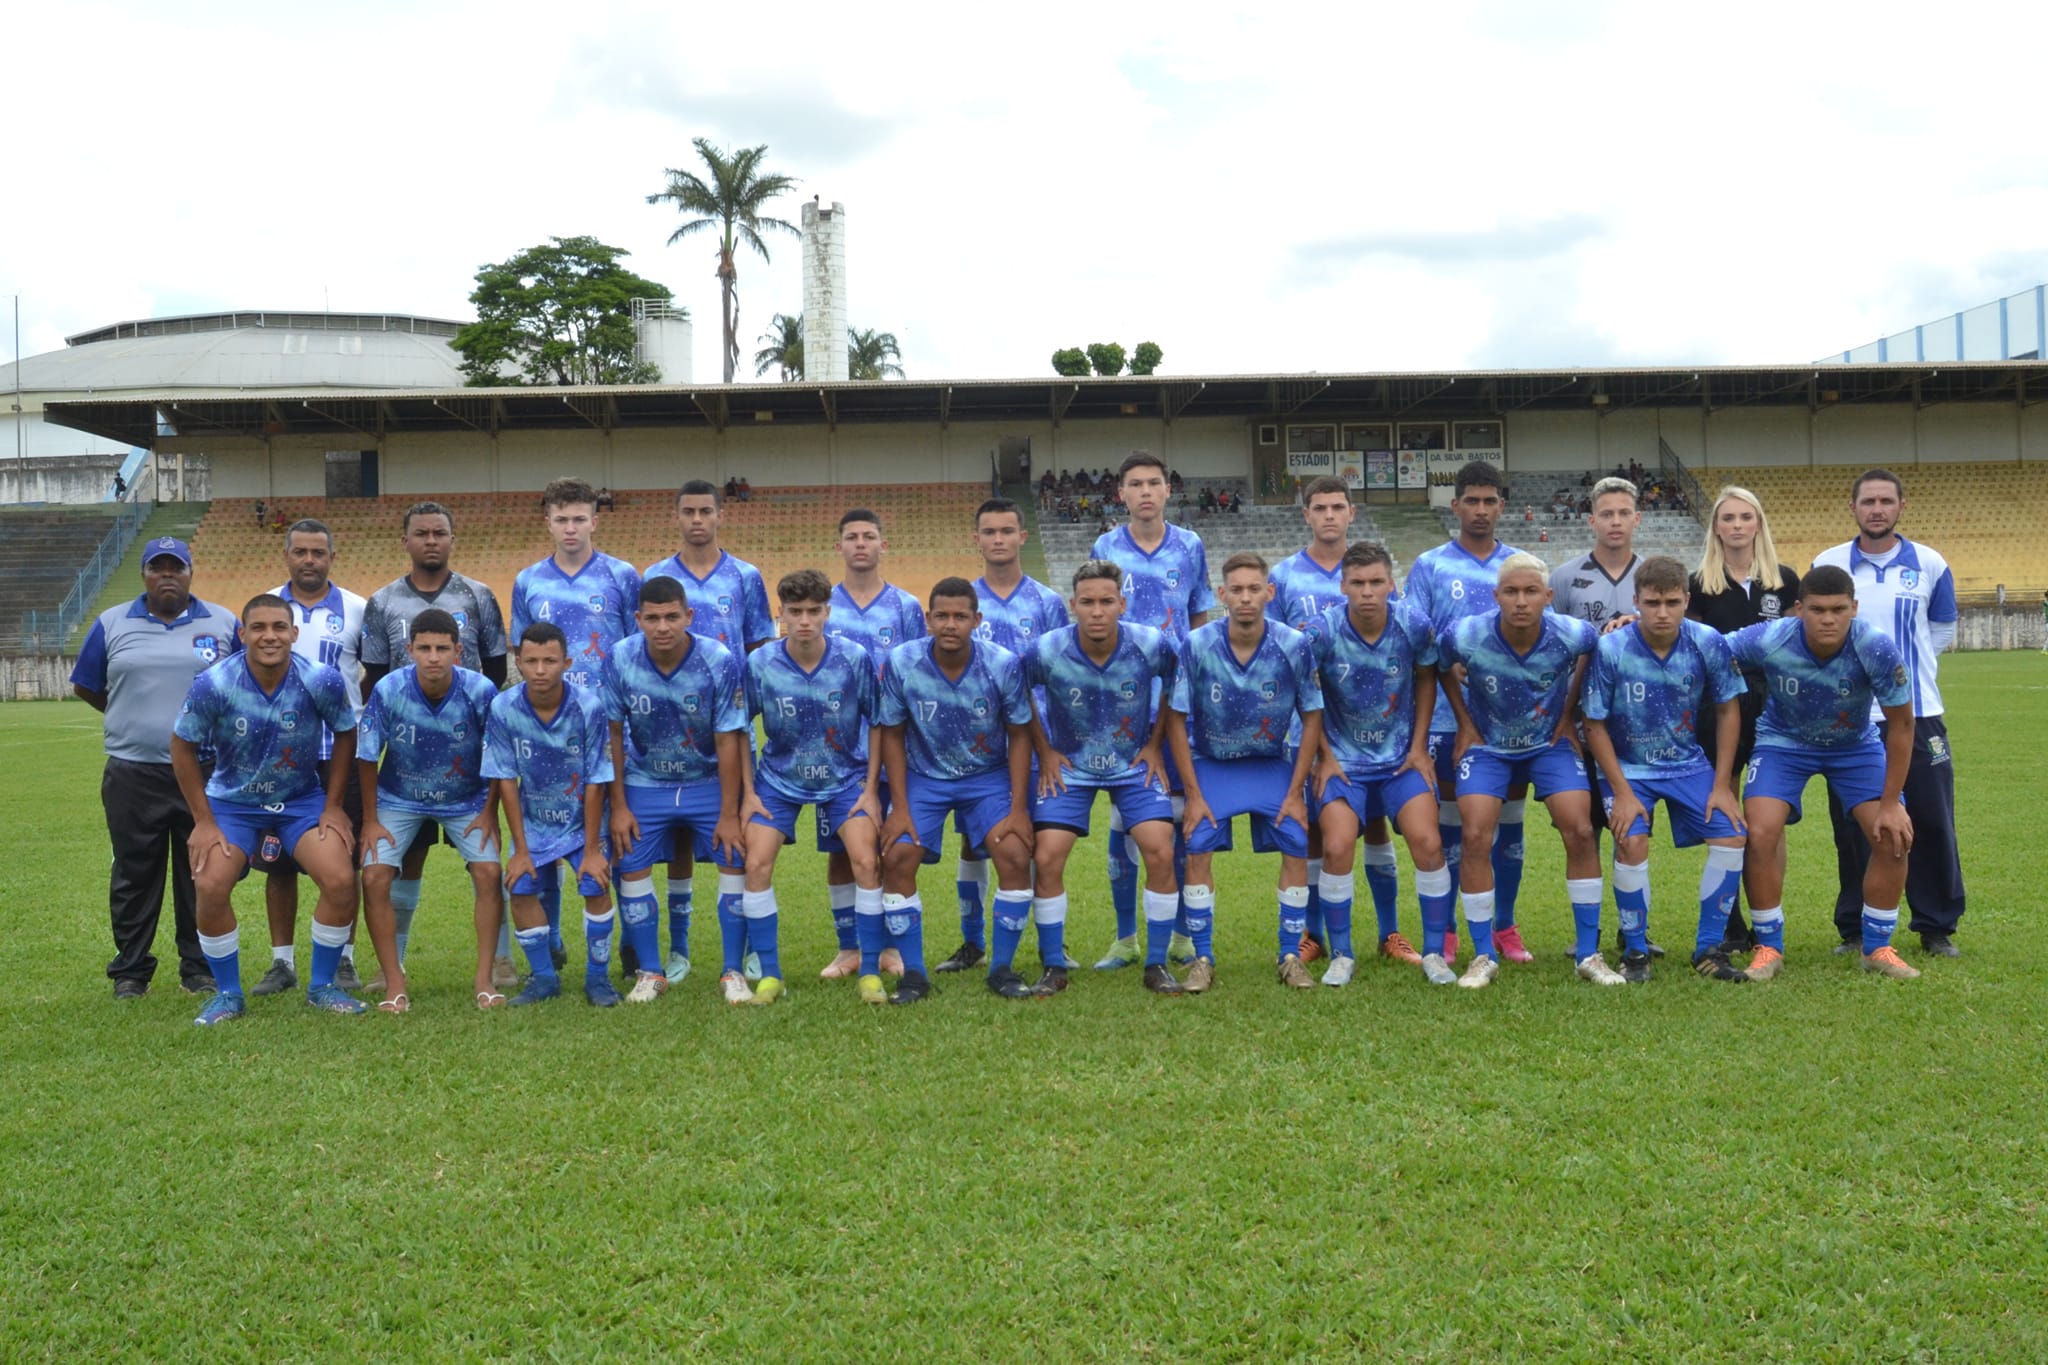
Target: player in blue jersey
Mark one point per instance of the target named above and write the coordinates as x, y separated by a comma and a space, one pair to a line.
421, 747
955, 726
1102, 730
1376, 660
1824, 669
1518, 724
728, 602
1240, 685
547, 751
590, 597
677, 705
262, 713
1651, 687
1447, 584
816, 698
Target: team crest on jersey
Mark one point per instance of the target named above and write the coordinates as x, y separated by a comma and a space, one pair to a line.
1898, 675
1173, 578
725, 604
333, 624
460, 732
981, 707
289, 720
461, 620
1769, 605
1266, 691
832, 699
1128, 690
596, 601
1909, 578
887, 636
691, 701
206, 648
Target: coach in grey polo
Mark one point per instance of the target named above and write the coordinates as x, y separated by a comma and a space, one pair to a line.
135, 667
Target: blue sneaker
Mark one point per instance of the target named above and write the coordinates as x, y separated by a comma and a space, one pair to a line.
221, 1008
334, 1000
598, 991
538, 988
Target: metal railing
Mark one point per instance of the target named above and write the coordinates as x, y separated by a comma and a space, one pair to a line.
1669, 466
49, 632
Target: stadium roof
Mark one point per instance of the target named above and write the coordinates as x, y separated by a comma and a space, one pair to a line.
133, 418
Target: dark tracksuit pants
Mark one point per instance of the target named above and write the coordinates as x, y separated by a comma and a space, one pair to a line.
149, 824
1934, 871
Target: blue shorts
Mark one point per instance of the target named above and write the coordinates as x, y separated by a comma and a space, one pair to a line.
1371, 797
830, 812
1551, 770
1855, 775
1685, 795
662, 812
1441, 742
544, 864
405, 825
1133, 801
1247, 786
244, 826
975, 803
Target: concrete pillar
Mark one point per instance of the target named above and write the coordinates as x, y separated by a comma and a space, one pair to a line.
824, 291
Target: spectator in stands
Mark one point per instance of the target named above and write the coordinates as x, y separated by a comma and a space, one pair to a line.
732, 488
278, 521
262, 508
1174, 482
135, 667
605, 501
746, 489
120, 488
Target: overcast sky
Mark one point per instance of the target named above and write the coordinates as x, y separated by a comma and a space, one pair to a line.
1261, 188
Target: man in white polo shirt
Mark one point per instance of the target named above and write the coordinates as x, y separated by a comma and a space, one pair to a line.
1905, 590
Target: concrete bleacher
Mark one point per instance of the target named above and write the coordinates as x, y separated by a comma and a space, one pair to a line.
1678, 534
1273, 530
42, 551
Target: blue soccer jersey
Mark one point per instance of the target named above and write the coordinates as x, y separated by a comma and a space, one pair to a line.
1448, 585
951, 729
1030, 611
1242, 710
672, 720
1653, 707
729, 604
1165, 588
892, 619
1303, 590
266, 745
1516, 699
593, 607
1369, 686
1100, 716
814, 724
1821, 705
552, 760
430, 753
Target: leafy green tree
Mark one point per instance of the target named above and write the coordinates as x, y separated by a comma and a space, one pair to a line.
782, 347
1145, 357
728, 199
872, 355
1107, 357
1070, 361
556, 314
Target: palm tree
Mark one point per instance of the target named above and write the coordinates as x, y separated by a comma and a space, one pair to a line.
872, 355
730, 200
782, 347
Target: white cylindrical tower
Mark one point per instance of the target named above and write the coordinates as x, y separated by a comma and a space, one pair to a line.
824, 291
661, 337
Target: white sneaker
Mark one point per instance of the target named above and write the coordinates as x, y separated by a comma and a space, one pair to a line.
1339, 971
1481, 973
737, 991
1437, 971
750, 966
1594, 968
647, 988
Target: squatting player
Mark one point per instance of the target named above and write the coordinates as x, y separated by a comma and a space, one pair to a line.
262, 713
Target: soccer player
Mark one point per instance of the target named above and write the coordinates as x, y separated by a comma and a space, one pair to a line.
1905, 590
421, 745
1376, 660
875, 614
816, 698
329, 621
955, 730
1517, 723
1102, 730
547, 752
1824, 669
678, 716
728, 604
1240, 683
1448, 584
590, 596
1166, 586
1649, 691
261, 712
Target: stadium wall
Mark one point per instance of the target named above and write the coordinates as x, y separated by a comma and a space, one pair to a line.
75, 479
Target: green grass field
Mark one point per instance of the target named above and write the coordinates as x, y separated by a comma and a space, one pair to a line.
1828, 1167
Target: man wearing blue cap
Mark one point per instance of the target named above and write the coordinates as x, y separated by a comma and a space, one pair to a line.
135, 667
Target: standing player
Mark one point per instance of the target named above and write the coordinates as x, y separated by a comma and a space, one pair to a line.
1650, 688
1377, 663
1241, 683
728, 604
262, 713
1825, 669
816, 698
425, 725
678, 716
1517, 723
955, 719
1103, 731
1166, 586
1448, 584
1905, 590
547, 751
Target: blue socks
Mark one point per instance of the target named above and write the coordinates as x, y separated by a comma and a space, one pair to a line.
1293, 919
840, 895
732, 923
1013, 912
551, 901
1478, 921
762, 932
1433, 889
1585, 897
1336, 893
405, 903
1051, 914
1877, 927
1160, 909
535, 944
1768, 926
680, 896
1312, 922
869, 935
903, 919
1383, 881
1632, 904
1507, 863
636, 909
1720, 883
968, 884
1198, 911
328, 941
597, 945
1123, 883
224, 956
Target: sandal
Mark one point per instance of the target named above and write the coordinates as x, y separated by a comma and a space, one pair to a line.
397, 1004
489, 1000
